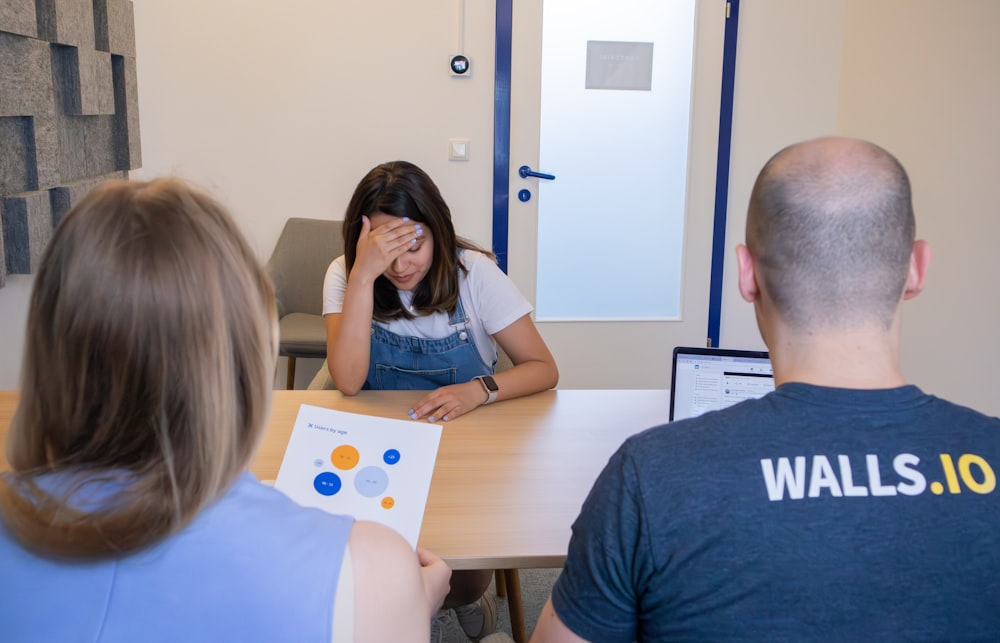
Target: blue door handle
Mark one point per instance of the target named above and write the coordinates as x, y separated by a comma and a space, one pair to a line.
524, 172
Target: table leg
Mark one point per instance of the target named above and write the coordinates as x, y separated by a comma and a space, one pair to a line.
513, 582
500, 584
290, 379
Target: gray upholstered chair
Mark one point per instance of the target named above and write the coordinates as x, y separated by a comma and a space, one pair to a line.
322, 380
297, 266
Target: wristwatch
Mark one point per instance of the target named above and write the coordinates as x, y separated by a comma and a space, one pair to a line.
490, 386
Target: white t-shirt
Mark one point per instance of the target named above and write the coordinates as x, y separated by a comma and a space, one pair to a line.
489, 297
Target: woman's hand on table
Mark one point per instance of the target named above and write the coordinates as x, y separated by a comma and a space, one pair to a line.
449, 402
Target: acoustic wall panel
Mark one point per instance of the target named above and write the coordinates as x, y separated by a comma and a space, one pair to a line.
66, 22
68, 114
66, 196
27, 218
25, 76
126, 113
18, 16
17, 167
86, 82
116, 17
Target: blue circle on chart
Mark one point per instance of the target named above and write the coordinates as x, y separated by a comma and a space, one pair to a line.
317, 463
371, 481
327, 483
391, 456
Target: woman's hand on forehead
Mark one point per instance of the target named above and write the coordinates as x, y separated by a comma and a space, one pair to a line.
379, 247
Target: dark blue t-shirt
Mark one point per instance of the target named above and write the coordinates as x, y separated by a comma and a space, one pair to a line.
811, 513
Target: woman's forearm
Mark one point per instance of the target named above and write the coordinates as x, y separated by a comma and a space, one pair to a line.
526, 378
534, 367
349, 337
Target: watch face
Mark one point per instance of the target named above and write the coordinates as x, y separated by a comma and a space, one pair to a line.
491, 385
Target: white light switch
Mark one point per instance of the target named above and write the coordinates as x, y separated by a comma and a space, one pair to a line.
458, 149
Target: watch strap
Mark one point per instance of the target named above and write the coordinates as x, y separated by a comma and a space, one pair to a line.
489, 386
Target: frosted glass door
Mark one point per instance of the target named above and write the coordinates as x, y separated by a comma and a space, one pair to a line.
620, 101
615, 116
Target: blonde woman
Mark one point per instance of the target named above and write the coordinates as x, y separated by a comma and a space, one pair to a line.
129, 514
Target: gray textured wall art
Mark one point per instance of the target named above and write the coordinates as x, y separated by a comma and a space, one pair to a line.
69, 114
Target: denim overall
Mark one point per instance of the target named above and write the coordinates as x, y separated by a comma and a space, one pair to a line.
410, 363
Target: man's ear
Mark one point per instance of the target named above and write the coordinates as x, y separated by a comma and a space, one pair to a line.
920, 261
747, 277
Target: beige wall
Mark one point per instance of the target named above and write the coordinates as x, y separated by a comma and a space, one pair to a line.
13, 313
787, 80
932, 97
280, 110
913, 76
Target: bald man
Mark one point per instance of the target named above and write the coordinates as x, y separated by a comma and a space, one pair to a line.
844, 506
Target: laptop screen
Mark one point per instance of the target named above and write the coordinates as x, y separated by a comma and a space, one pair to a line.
706, 379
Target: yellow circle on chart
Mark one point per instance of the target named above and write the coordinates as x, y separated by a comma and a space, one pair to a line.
345, 457
388, 502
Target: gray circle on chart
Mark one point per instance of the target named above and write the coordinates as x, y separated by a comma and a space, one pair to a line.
371, 481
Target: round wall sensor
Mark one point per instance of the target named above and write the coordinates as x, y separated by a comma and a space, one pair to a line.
459, 65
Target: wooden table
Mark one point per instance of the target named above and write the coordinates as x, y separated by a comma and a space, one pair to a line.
509, 478
8, 402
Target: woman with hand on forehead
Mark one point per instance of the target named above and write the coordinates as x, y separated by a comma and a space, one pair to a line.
411, 306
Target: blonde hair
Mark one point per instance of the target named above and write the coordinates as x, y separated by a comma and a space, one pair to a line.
152, 336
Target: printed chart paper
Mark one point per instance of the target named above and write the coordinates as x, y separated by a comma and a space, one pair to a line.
368, 467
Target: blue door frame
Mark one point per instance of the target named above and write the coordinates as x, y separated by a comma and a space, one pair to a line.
501, 132
501, 152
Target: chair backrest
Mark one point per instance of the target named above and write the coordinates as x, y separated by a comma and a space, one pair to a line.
503, 360
299, 262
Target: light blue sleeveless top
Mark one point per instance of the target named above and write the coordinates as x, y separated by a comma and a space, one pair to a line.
253, 566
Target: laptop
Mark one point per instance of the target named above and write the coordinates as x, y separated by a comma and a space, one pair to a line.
707, 379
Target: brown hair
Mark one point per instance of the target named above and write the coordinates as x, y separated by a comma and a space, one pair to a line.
401, 189
152, 337
831, 226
